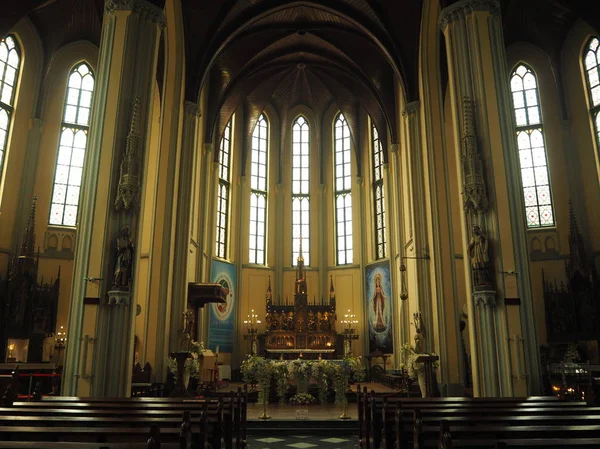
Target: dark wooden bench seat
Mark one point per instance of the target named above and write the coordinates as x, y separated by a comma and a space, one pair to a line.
129, 419
78, 445
388, 421
447, 439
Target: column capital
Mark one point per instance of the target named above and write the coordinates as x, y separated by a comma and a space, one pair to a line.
394, 147
486, 298
208, 148
191, 108
411, 108
462, 8
118, 298
143, 7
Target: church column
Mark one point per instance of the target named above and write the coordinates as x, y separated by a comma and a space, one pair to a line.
203, 237
397, 245
324, 233
26, 187
492, 227
126, 69
280, 260
183, 225
418, 254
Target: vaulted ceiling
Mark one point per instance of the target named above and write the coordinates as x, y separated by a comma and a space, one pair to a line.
320, 54
323, 54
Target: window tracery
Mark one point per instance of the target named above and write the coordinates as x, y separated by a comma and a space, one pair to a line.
72, 146
10, 63
301, 189
532, 149
258, 191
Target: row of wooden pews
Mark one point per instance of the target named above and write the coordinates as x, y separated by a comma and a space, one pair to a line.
70, 422
393, 422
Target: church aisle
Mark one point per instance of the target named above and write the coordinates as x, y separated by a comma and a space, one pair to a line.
305, 440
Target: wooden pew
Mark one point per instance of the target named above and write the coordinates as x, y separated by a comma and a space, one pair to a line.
225, 417
446, 440
387, 421
486, 436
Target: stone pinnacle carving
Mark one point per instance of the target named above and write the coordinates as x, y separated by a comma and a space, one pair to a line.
474, 192
128, 190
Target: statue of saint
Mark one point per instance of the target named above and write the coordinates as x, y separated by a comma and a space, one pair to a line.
124, 263
480, 260
312, 325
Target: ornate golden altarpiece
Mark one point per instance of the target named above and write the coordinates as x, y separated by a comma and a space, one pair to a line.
301, 329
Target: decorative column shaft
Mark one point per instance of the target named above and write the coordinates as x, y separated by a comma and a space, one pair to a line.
182, 233
126, 68
487, 169
418, 218
398, 230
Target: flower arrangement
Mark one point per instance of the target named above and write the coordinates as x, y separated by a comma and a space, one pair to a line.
320, 373
282, 378
302, 399
189, 345
300, 371
258, 370
192, 364
410, 356
350, 369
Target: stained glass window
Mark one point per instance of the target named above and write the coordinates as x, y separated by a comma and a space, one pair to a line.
72, 146
300, 189
10, 61
591, 62
223, 193
343, 195
532, 148
378, 196
258, 191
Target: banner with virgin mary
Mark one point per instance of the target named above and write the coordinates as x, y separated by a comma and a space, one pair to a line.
221, 316
379, 307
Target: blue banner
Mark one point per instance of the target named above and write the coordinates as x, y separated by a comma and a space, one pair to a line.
379, 307
221, 316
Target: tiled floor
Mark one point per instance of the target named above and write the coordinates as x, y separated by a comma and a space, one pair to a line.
302, 441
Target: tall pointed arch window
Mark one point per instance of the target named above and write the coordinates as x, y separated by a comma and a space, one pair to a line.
591, 62
223, 193
10, 62
343, 195
72, 145
300, 189
532, 148
258, 191
378, 195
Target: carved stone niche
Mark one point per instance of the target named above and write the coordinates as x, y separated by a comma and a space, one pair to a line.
59, 244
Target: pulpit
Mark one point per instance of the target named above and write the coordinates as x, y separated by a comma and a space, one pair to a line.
200, 294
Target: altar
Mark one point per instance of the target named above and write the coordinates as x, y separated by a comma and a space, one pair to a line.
302, 329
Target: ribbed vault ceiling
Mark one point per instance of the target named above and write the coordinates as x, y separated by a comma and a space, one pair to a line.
318, 54
323, 54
